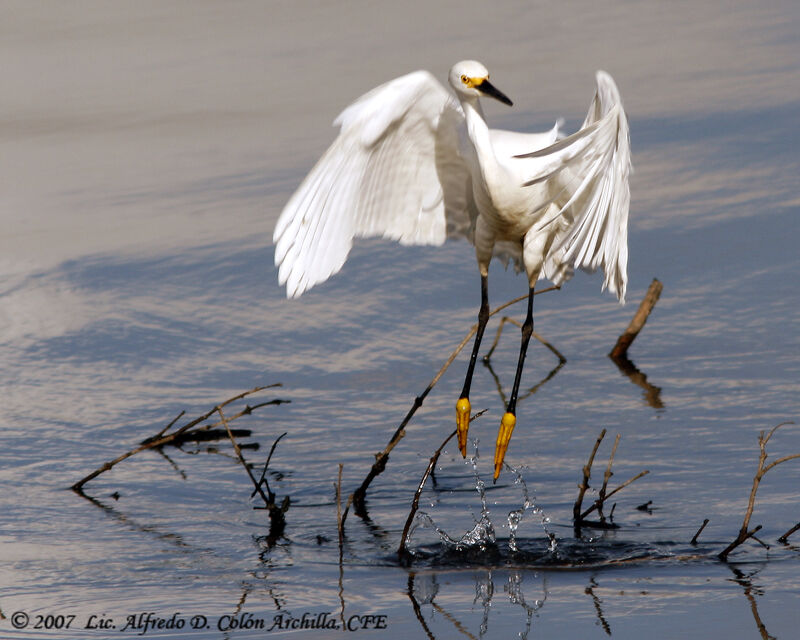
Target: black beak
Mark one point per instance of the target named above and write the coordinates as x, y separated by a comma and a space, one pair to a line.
489, 89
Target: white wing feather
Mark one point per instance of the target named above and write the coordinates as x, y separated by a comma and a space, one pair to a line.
393, 171
588, 174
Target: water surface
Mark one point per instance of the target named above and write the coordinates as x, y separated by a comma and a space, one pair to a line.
147, 152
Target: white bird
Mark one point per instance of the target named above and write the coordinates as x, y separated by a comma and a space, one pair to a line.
415, 164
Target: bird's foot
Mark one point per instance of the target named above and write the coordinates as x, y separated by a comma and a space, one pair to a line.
503, 436
462, 424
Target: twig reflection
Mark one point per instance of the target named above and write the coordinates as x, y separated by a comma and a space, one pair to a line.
172, 538
484, 586
530, 391
173, 464
652, 393
750, 591
598, 605
488, 363
415, 606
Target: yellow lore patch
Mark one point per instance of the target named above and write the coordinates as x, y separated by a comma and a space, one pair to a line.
472, 82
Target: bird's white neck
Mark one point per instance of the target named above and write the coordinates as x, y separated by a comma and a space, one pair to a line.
479, 136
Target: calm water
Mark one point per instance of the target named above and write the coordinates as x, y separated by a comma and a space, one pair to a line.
147, 151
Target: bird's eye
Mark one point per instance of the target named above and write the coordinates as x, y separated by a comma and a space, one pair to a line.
464, 79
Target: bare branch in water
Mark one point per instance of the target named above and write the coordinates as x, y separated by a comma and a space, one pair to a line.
584, 485
339, 509
579, 517
401, 551
620, 349
744, 533
277, 517
699, 531
263, 479
785, 537
599, 503
161, 438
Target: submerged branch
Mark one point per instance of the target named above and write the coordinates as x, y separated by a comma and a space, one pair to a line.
745, 534
584, 485
578, 516
639, 319
699, 531
161, 438
401, 550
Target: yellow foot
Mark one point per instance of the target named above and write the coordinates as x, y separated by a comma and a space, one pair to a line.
462, 424
503, 436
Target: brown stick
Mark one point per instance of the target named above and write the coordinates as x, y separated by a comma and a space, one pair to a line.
339, 508
401, 550
277, 517
160, 439
639, 319
263, 478
267, 500
584, 485
699, 531
607, 475
742, 537
382, 458
762, 469
785, 537
619, 488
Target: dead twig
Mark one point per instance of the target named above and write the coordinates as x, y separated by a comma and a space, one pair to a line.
639, 319
599, 503
263, 479
579, 517
382, 458
171, 424
785, 537
267, 499
162, 438
744, 534
339, 509
608, 473
401, 550
277, 517
699, 531
584, 485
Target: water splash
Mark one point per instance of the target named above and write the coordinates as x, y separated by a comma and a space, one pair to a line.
482, 535
529, 504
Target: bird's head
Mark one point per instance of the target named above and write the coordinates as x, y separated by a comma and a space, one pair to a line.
471, 79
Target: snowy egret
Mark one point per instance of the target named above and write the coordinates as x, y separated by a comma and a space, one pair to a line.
415, 164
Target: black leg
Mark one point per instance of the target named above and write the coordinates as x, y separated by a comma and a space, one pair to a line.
510, 418
463, 406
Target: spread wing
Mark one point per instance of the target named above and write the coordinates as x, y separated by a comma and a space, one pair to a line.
588, 175
393, 171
